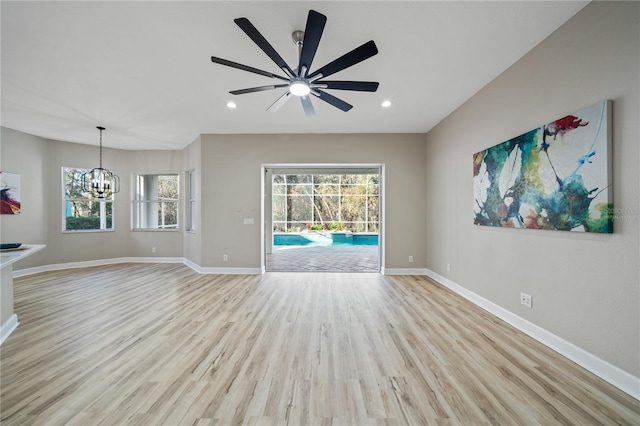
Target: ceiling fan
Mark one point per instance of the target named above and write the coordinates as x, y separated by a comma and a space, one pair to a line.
301, 82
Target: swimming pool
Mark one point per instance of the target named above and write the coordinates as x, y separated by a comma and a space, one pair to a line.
325, 239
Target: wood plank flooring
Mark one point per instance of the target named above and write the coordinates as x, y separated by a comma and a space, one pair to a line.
155, 344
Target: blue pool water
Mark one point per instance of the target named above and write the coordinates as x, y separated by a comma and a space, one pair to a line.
325, 239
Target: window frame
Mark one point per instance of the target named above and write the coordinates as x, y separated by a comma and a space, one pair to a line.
190, 207
103, 217
315, 186
137, 204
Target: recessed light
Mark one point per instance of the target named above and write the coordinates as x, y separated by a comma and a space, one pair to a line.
231, 105
386, 104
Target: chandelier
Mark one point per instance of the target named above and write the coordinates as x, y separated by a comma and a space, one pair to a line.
99, 182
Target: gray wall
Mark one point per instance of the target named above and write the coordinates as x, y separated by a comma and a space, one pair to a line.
228, 189
585, 287
26, 155
39, 162
230, 179
192, 160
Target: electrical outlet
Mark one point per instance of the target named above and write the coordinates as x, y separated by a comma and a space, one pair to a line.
153, 249
225, 257
525, 299
448, 267
410, 259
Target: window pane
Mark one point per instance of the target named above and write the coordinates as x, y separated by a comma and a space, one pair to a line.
192, 207
168, 187
335, 201
82, 213
300, 209
326, 208
156, 205
88, 215
192, 185
374, 207
299, 179
319, 179
279, 208
73, 183
300, 189
279, 189
352, 208
354, 190
326, 188
354, 179
191, 195
167, 215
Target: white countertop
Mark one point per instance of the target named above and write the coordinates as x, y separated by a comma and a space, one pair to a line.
8, 257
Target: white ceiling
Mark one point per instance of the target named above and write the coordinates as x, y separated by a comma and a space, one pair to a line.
143, 69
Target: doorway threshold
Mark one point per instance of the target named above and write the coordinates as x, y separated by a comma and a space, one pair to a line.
334, 258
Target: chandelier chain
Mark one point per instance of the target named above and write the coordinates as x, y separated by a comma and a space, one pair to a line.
101, 129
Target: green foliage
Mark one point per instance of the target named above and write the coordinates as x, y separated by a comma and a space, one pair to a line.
336, 226
86, 223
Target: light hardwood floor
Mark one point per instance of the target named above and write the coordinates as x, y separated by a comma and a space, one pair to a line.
160, 344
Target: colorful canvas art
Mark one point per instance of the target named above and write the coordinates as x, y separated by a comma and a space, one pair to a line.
555, 177
10, 187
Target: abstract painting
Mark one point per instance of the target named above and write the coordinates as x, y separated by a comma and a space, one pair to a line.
10, 187
556, 177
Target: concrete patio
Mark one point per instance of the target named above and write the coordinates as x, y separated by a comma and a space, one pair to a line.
341, 258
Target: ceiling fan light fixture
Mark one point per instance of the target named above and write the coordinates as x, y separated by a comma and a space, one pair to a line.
386, 104
231, 105
299, 88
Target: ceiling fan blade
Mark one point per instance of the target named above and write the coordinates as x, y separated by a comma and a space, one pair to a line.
338, 103
246, 68
312, 34
357, 55
263, 44
360, 86
257, 89
307, 106
279, 102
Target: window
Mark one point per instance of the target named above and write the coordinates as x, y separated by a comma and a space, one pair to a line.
80, 211
155, 204
347, 202
191, 203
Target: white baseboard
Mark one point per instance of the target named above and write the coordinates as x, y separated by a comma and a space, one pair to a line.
113, 261
7, 328
222, 271
99, 262
404, 271
199, 269
617, 377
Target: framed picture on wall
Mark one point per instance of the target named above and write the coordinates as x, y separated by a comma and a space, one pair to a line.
556, 176
10, 190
